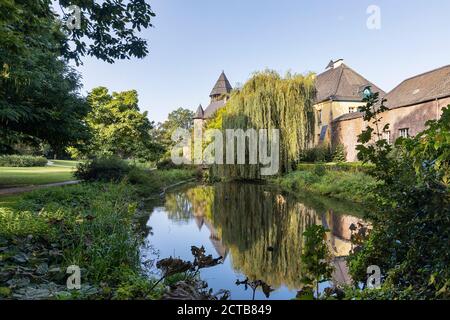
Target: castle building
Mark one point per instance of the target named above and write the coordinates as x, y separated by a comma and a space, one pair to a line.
340, 92
411, 104
219, 96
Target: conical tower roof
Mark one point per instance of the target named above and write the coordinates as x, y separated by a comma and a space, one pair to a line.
222, 86
199, 114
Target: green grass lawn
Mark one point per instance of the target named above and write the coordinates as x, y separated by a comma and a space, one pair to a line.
34, 175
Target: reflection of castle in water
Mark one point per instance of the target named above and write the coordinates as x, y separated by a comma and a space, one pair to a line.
221, 249
246, 220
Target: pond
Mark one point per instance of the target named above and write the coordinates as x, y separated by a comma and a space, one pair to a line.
256, 229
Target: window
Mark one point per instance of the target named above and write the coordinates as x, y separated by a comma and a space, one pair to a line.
351, 109
387, 136
367, 92
404, 133
319, 117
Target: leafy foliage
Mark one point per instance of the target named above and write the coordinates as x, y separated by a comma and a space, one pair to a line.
339, 154
102, 169
320, 153
89, 225
39, 91
269, 101
410, 236
22, 161
316, 258
118, 127
331, 181
179, 118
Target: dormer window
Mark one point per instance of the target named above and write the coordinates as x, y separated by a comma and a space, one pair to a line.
367, 92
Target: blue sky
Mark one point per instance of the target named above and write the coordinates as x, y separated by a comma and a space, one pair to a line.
194, 40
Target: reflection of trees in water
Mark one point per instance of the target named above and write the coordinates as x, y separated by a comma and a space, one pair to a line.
264, 232
194, 202
262, 229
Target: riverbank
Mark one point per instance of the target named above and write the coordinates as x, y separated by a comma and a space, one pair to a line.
348, 182
90, 225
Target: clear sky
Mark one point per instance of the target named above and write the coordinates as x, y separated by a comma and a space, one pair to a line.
194, 40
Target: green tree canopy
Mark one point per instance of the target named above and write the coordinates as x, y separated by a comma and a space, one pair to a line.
39, 92
179, 118
117, 125
270, 101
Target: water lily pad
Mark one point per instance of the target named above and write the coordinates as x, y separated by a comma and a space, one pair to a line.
42, 269
20, 257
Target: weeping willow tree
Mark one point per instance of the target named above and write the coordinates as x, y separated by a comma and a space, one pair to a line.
269, 101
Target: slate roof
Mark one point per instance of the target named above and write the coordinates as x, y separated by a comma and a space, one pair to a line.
349, 116
222, 86
342, 84
428, 86
199, 114
212, 108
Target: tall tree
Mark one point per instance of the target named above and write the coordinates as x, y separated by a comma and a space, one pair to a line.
118, 126
269, 101
39, 99
179, 118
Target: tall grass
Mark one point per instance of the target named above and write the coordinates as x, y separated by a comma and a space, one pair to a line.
346, 185
91, 225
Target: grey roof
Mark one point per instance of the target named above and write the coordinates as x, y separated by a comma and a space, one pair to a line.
350, 116
342, 84
199, 113
212, 108
222, 86
424, 87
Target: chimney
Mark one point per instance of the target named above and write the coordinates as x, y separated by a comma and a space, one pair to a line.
335, 64
338, 63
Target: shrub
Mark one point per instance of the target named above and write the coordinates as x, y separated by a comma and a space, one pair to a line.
339, 154
411, 232
321, 153
22, 161
320, 170
102, 169
167, 164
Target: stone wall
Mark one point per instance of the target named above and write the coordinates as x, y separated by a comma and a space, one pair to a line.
413, 118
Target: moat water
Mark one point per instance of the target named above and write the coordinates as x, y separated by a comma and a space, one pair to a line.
258, 231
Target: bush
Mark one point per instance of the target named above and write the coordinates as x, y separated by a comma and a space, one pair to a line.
339, 154
102, 169
167, 164
22, 161
351, 186
321, 153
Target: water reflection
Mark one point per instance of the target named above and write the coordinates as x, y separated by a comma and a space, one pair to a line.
257, 230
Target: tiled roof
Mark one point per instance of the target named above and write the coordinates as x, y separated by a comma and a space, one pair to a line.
222, 86
342, 84
199, 113
212, 108
349, 116
424, 87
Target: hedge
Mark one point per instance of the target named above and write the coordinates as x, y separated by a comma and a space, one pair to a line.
22, 161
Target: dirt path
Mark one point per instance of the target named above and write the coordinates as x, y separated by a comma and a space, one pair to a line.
16, 190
